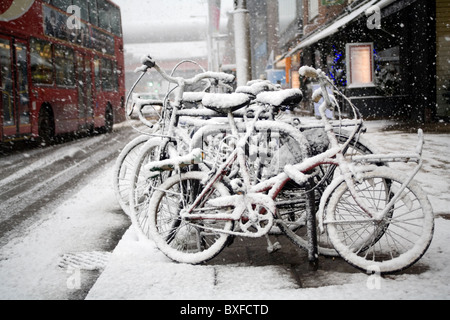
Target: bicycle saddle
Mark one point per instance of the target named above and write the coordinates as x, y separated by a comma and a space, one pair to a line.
287, 97
194, 97
225, 102
256, 87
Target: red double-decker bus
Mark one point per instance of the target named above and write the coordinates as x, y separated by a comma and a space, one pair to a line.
61, 67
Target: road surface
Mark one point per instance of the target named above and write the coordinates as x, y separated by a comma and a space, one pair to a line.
35, 183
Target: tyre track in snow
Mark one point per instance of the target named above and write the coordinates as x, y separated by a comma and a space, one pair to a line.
25, 163
35, 179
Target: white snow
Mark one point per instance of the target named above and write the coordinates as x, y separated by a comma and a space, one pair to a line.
255, 87
137, 270
29, 265
221, 100
277, 98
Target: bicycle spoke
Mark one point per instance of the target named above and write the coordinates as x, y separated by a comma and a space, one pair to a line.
394, 242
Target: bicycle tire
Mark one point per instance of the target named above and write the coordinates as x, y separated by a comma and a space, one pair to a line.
180, 240
295, 223
123, 169
392, 244
141, 187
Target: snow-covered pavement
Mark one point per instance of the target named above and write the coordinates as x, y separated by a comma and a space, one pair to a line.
137, 270
57, 257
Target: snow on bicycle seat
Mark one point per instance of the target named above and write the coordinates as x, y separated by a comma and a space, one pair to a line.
253, 88
192, 100
193, 96
225, 102
280, 98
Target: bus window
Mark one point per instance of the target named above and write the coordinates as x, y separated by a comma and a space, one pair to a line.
97, 74
107, 75
41, 62
84, 10
22, 83
62, 4
64, 66
104, 20
116, 21
110, 75
109, 17
93, 12
116, 75
6, 83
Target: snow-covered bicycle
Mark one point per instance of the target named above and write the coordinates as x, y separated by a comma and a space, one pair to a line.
376, 218
131, 154
266, 142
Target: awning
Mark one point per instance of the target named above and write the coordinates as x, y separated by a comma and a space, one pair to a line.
335, 26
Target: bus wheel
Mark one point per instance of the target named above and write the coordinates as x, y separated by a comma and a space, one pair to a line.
46, 125
109, 119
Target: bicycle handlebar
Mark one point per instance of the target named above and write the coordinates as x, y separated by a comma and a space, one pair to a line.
309, 72
148, 63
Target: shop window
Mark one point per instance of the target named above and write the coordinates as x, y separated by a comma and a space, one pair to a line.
64, 66
360, 64
41, 62
387, 71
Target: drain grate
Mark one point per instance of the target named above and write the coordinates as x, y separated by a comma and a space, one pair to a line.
96, 260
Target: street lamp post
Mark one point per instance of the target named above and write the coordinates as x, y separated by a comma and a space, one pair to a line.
242, 42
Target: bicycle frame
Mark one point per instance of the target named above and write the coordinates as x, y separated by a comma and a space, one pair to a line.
364, 205
300, 173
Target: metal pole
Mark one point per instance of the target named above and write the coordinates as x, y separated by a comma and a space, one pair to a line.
242, 42
213, 30
313, 255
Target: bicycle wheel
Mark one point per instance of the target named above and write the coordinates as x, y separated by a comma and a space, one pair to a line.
291, 202
123, 171
194, 241
141, 186
395, 242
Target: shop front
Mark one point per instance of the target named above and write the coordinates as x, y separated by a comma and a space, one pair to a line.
387, 69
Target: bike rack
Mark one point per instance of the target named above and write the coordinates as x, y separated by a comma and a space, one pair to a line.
313, 252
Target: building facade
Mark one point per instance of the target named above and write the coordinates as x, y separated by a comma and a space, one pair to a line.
391, 57
382, 53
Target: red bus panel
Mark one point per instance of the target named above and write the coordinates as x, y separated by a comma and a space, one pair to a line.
62, 67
